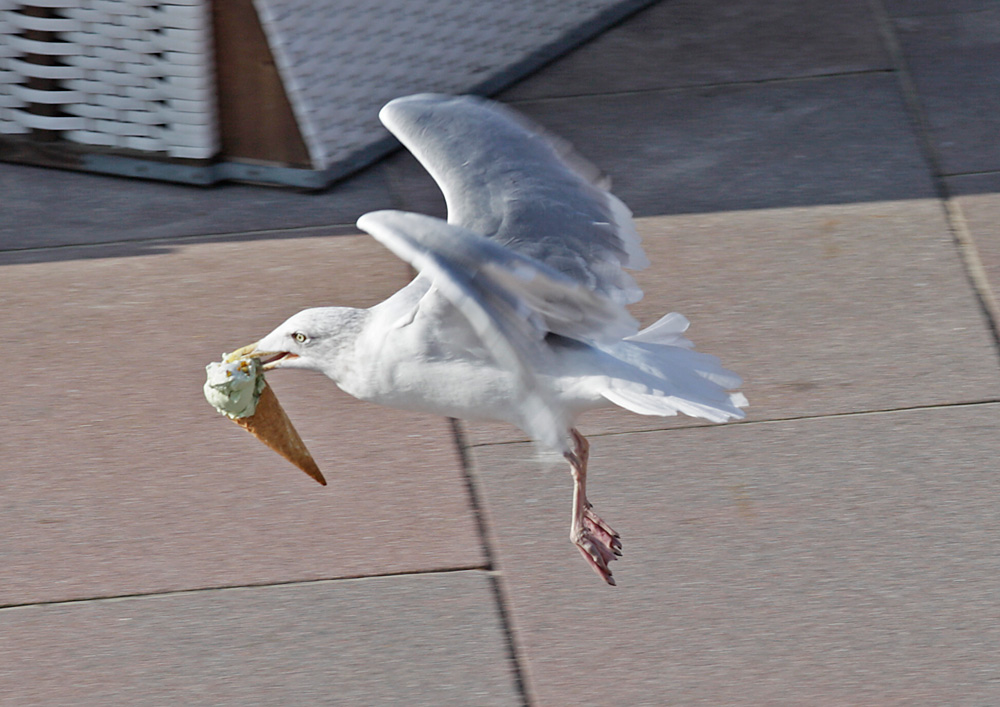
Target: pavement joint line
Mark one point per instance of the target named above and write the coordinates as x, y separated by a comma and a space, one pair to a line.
974, 173
517, 662
943, 13
702, 86
968, 251
292, 232
250, 586
975, 270
769, 421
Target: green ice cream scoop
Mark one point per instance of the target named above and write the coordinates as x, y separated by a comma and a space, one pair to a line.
234, 388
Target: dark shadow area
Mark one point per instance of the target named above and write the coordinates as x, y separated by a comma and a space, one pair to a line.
160, 246
806, 108
46, 208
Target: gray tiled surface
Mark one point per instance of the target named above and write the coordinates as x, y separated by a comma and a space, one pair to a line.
909, 8
955, 61
46, 207
817, 141
828, 561
686, 42
844, 556
422, 639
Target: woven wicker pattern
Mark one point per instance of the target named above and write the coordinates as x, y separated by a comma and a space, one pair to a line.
341, 60
133, 74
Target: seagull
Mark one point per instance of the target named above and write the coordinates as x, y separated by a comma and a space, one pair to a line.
518, 311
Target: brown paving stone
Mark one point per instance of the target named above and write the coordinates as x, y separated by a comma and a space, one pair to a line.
117, 477
822, 310
686, 42
416, 640
848, 560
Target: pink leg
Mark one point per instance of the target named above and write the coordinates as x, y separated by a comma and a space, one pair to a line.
598, 543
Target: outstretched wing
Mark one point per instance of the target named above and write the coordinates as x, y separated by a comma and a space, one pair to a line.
504, 178
511, 301
524, 299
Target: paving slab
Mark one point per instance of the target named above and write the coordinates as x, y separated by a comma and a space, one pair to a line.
822, 310
818, 141
415, 640
118, 478
908, 8
51, 207
847, 560
955, 63
978, 196
686, 43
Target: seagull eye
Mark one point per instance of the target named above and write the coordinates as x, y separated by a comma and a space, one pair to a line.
300, 337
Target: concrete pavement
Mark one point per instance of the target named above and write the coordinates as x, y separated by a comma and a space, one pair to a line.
818, 187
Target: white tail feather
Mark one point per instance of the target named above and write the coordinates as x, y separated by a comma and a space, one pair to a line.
666, 378
668, 330
668, 405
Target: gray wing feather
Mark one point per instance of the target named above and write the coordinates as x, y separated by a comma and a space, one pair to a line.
528, 297
480, 279
504, 178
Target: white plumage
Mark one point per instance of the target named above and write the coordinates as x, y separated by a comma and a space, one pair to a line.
518, 312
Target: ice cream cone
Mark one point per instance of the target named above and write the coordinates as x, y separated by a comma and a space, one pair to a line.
271, 425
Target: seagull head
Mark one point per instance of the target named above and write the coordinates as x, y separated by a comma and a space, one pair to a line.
311, 339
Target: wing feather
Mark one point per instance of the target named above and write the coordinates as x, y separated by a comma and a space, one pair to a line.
506, 179
486, 284
542, 299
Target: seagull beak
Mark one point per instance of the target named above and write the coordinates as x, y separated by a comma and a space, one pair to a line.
274, 358
248, 351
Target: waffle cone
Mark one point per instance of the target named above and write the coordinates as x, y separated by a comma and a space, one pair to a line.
271, 425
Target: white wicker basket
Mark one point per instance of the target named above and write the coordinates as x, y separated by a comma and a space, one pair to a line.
133, 74
133, 81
